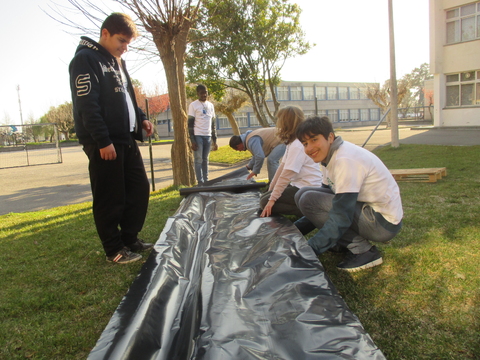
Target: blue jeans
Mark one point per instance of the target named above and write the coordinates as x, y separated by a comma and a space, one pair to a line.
201, 157
273, 160
316, 202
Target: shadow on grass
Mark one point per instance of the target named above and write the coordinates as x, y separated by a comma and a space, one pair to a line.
58, 292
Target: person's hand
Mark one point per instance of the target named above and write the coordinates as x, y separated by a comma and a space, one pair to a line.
194, 146
148, 127
214, 147
108, 152
252, 174
267, 210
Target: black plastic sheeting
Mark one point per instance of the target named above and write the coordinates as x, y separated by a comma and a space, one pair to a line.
223, 283
237, 188
228, 182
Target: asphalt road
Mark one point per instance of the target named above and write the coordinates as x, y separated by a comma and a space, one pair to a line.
32, 188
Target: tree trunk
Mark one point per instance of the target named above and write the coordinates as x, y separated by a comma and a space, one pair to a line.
276, 103
173, 59
258, 112
430, 112
389, 121
233, 124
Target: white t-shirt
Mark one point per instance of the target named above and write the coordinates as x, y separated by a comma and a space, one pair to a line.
131, 109
203, 112
307, 171
353, 169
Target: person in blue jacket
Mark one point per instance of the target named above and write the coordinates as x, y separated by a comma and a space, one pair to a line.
108, 122
261, 143
359, 200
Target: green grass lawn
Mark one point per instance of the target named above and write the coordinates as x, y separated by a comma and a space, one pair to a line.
226, 155
57, 292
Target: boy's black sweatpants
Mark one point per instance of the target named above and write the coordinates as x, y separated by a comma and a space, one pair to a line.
120, 190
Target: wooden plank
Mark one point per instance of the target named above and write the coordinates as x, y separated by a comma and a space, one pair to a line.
419, 174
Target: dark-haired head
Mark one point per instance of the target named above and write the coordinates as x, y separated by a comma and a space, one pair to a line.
235, 140
119, 23
201, 87
314, 126
202, 92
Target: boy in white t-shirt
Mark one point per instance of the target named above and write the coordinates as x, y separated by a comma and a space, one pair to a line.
359, 200
202, 131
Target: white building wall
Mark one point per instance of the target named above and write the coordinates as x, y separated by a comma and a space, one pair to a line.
449, 59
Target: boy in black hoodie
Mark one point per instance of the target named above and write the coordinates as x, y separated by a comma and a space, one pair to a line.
107, 123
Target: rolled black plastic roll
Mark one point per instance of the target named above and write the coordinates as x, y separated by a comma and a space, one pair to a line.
234, 188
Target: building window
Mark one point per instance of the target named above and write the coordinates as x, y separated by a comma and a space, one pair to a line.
308, 93
332, 115
322, 113
463, 23
463, 89
295, 93
253, 120
321, 92
242, 119
363, 93
282, 93
343, 93
374, 114
343, 115
353, 93
332, 93
364, 114
354, 115
223, 122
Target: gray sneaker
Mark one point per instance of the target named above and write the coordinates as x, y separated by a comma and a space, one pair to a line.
124, 256
356, 262
140, 245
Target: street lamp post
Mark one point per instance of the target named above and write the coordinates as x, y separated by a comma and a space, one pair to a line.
20, 105
393, 82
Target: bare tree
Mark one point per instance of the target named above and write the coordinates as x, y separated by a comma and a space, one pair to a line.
232, 101
62, 115
166, 24
32, 130
416, 79
6, 120
429, 98
381, 95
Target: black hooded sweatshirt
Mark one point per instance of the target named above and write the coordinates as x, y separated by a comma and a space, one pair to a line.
99, 103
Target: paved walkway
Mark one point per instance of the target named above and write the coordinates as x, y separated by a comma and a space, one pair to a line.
40, 187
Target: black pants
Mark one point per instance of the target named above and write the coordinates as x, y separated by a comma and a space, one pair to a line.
120, 190
285, 204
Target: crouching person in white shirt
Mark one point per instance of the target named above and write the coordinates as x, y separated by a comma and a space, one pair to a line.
296, 171
359, 200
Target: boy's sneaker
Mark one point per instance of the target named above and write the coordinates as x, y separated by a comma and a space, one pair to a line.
139, 245
356, 262
124, 256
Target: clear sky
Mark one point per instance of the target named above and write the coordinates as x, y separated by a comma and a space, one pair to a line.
351, 37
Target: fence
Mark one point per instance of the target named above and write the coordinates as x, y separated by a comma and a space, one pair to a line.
26, 145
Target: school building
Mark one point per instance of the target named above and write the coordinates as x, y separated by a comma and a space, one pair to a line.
343, 102
455, 62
